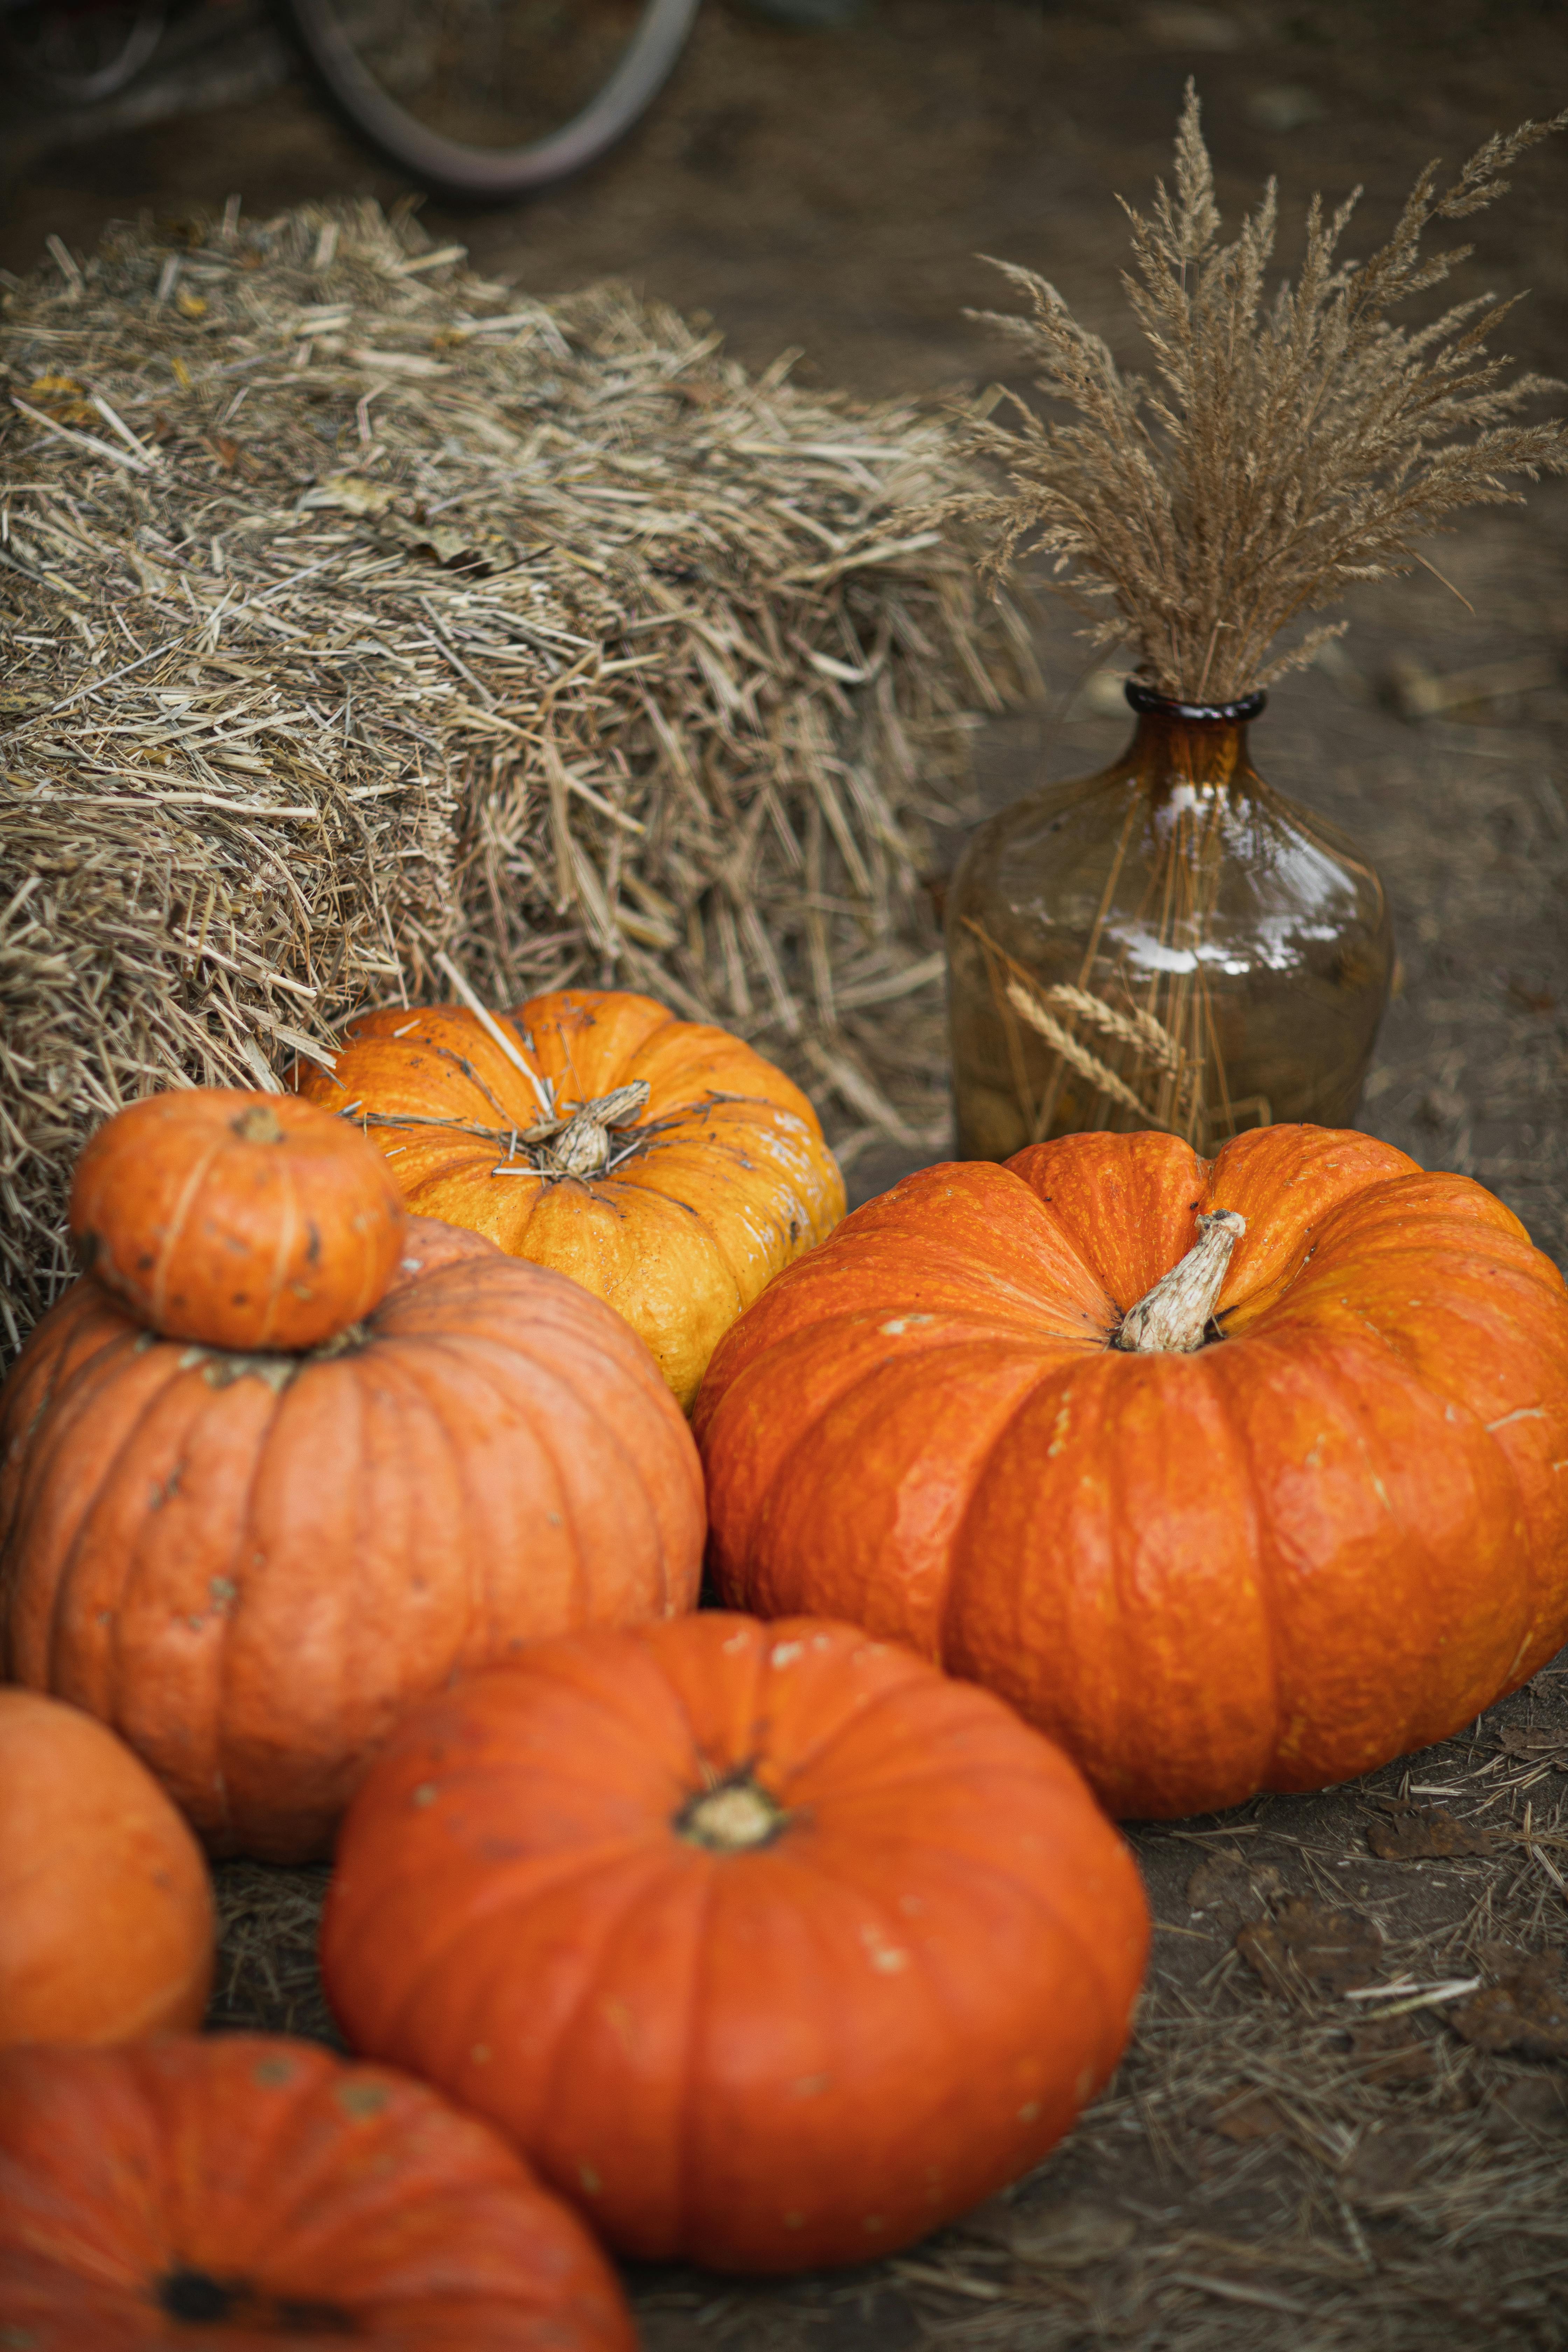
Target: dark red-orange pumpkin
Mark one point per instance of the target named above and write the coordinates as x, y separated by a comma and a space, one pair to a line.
106, 1915
238, 2191
249, 1565
769, 1945
1324, 1522
236, 1220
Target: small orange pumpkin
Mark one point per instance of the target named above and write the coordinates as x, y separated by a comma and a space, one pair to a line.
236, 1220
239, 2189
250, 1564
106, 1915
1232, 1475
661, 1163
769, 1945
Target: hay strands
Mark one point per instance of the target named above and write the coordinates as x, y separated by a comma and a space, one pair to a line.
573, 655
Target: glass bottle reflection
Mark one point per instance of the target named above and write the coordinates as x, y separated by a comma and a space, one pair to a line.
1170, 943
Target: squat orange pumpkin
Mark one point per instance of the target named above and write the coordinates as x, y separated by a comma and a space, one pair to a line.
106, 1917
770, 1946
236, 1219
249, 1565
242, 2190
661, 1163
1273, 1562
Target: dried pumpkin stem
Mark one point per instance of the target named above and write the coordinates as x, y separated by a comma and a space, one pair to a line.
580, 1146
1170, 1320
730, 1819
258, 1125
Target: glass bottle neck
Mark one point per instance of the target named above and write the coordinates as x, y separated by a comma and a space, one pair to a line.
1207, 754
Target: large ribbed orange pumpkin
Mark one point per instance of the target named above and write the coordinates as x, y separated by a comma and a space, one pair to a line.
661, 1163
1283, 1521
238, 1219
769, 1945
106, 1915
250, 1564
242, 2190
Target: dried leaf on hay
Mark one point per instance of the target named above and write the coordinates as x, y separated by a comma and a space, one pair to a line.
1525, 2010
1426, 1832
1227, 1881
379, 613
1253, 2116
1304, 1949
1388, 2051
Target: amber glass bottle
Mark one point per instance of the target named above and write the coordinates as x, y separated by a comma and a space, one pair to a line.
1170, 943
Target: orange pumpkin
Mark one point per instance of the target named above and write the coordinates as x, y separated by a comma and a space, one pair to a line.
770, 1946
106, 1917
249, 1564
237, 1219
1262, 1525
662, 1164
236, 2190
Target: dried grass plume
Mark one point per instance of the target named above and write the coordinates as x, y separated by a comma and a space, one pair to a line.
1288, 446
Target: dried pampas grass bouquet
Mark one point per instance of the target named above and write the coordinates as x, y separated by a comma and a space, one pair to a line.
1173, 944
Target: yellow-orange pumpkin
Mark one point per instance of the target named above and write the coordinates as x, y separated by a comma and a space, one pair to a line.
249, 1565
106, 1915
1323, 1522
661, 1163
236, 1220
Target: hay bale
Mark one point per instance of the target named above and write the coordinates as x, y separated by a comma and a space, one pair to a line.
372, 623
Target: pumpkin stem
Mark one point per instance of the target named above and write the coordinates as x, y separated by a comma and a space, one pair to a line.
580, 1146
259, 1124
1170, 1320
730, 1819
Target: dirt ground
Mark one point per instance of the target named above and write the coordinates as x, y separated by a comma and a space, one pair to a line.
1279, 2162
